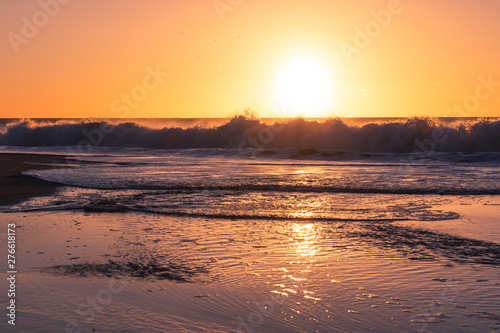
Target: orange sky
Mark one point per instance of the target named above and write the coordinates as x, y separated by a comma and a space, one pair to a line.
87, 56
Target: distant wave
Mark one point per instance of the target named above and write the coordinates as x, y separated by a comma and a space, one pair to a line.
389, 136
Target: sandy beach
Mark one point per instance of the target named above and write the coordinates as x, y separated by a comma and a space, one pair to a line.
139, 272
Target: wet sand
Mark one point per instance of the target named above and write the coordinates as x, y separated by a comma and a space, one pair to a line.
15, 187
140, 272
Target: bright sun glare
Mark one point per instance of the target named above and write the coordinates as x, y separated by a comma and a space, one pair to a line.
304, 87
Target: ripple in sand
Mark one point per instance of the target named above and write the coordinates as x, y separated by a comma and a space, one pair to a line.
440, 279
294, 278
483, 314
279, 270
428, 320
279, 293
431, 318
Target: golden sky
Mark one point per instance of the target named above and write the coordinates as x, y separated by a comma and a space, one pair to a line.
206, 58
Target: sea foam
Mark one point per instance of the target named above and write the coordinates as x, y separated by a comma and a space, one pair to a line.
384, 136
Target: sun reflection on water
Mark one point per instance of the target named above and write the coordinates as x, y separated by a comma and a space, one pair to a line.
306, 236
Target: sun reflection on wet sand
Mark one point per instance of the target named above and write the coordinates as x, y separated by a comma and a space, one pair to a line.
304, 246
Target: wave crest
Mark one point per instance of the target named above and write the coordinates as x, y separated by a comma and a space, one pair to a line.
385, 136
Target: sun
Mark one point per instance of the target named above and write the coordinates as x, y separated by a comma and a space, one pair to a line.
304, 87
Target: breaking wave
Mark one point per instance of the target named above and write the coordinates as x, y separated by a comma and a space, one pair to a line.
384, 136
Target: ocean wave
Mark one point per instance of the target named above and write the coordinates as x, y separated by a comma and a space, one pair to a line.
424, 135
393, 215
237, 187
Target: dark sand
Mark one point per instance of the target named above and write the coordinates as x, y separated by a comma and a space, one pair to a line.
14, 187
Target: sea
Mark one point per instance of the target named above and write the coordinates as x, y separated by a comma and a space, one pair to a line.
249, 168
427, 188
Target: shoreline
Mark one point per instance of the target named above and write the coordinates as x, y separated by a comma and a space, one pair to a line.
16, 187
